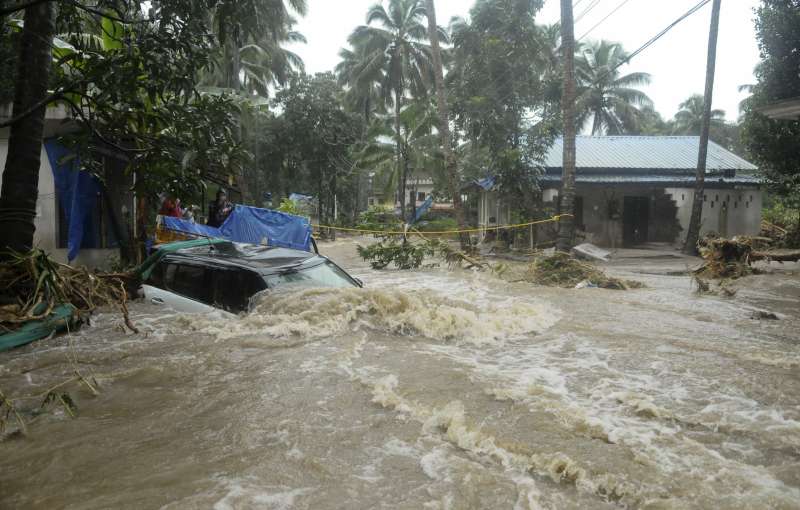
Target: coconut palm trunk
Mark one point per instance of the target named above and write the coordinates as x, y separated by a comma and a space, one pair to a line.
20, 188
401, 165
566, 231
451, 164
692, 235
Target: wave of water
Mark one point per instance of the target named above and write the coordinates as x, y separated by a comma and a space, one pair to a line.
313, 314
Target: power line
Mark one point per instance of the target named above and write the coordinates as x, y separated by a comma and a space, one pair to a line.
649, 43
662, 33
586, 11
620, 6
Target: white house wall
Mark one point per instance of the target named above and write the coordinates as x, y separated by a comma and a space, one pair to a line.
741, 206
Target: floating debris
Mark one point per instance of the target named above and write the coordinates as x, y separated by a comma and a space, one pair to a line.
733, 258
34, 286
561, 270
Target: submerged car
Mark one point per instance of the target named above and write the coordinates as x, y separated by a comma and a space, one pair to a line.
202, 276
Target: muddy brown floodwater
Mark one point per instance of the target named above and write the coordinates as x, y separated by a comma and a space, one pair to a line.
431, 389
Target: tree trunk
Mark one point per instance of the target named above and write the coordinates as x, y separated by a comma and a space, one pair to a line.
235, 83
450, 162
566, 231
693, 234
401, 174
20, 188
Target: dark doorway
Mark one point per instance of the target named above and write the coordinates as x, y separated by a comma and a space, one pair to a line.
635, 218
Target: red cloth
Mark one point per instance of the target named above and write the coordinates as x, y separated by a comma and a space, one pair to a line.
170, 208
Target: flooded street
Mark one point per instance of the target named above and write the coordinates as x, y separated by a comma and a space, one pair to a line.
430, 389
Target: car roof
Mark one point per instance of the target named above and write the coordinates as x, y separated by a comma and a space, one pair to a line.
259, 258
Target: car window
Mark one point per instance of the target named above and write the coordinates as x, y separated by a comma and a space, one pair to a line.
156, 278
326, 274
188, 281
233, 288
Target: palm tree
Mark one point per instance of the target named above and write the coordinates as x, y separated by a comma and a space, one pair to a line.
250, 57
689, 119
609, 99
362, 85
394, 54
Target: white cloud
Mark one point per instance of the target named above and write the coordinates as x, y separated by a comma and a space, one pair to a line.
677, 62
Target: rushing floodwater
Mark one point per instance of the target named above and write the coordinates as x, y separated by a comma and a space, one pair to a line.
430, 389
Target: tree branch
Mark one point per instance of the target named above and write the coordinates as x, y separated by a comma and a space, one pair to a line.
78, 110
44, 102
107, 15
20, 7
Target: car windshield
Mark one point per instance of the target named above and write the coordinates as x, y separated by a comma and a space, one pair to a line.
321, 275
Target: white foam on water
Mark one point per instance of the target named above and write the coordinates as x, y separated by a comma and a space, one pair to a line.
313, 314
246, 493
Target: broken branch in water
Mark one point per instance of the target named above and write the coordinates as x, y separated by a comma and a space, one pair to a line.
34, 285
733, 258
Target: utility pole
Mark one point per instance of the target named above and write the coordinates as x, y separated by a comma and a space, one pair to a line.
566, 231
451, 165
693, 234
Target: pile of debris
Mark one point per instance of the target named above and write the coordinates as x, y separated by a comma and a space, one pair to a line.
784, 236
33, 286
561, 270
733, 258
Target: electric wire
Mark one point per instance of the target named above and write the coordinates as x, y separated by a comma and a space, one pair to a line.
620, 6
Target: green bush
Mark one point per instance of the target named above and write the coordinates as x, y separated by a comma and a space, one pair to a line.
438, 225
379, 218
401, 252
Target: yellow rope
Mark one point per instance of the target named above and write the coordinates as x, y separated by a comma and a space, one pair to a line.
444, 232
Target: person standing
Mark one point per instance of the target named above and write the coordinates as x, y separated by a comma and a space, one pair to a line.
219, 209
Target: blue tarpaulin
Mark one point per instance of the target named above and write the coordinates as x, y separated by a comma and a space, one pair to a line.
424, 208
77, 196
189, 227
486, 183
252, 225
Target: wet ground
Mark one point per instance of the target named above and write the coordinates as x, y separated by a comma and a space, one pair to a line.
429, 389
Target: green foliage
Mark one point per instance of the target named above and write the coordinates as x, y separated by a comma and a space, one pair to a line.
398, 251
610, 100
773, 144
505, 93
781, 214
438, 225
289, 207
787, 218
379, 218
307, 147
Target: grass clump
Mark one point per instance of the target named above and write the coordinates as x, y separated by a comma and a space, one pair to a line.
561, 270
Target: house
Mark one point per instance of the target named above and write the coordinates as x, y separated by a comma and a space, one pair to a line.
419, 187
636, 189
71, 201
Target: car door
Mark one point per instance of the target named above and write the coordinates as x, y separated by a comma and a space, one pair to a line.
181, 286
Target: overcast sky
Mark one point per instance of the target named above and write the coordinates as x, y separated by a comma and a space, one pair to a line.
676, 62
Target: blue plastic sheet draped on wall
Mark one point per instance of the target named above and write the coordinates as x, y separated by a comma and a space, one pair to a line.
252, 225
77, 196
